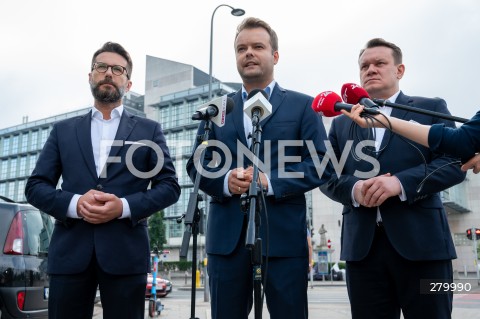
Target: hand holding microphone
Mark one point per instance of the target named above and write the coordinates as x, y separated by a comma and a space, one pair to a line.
357, 114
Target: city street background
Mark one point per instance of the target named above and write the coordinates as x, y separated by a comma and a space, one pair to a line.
327, 300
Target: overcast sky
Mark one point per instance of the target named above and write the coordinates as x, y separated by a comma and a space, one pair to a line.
47, 45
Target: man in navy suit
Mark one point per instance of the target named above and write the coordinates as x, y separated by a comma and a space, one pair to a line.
292, 140
116, 171
395, 234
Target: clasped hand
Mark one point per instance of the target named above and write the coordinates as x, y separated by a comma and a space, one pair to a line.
240, 179
374, 191
98, 207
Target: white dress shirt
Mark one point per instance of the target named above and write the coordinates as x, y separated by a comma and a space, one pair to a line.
103, 134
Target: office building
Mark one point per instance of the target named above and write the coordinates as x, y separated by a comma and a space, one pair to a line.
173, 91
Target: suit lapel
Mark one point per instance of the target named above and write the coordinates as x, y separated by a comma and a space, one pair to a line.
84, 138
398, 113
238, 117
125, 127
276, 99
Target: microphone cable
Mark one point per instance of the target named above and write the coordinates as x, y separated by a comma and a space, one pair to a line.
370, 124
370, 119
354, 133
420, 185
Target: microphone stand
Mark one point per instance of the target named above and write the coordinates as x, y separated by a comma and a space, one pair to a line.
193, 217
252, 241
421, 111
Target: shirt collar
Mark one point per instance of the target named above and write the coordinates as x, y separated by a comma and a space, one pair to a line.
116, 112
268, 90
394, 97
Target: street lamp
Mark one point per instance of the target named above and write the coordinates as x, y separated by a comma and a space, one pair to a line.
235, 12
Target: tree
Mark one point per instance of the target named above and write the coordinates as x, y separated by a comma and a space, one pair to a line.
156, 231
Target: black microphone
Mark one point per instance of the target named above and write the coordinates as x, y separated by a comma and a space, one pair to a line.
330, 103
353, 94
215, 110
257, 105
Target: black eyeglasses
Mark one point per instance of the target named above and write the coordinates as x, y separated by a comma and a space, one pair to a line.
101, 67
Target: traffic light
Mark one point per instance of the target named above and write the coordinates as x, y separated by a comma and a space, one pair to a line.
477, 233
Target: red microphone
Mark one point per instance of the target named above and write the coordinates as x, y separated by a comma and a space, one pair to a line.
353, 93
330, 103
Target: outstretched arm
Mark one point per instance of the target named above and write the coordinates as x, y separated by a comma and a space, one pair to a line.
413, 131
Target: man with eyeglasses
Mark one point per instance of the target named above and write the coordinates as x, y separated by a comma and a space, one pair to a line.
116, 172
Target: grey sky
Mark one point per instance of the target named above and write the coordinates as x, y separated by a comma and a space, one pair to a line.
47, 45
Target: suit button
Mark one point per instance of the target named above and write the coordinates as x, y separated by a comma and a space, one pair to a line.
99, 187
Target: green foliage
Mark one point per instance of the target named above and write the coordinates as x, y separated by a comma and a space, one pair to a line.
156, 231
181, 265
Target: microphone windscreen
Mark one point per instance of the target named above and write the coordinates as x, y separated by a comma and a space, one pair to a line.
352, 93
325, 103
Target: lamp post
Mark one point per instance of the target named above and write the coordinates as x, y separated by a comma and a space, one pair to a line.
235, 12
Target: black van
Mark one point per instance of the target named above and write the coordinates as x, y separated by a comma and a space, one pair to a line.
25, 235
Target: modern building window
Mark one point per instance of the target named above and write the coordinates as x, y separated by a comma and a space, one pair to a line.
164, 118
13, 168
6, 146
31, 163
11, 190
34, 141
21, 191
24, 146
174, 229
176, 115
44, 136
15, 140
4, 169
3, 189
22, 170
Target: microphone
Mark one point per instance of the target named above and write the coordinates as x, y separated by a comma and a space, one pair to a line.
257, 105
353, 94
330, 103
215, 110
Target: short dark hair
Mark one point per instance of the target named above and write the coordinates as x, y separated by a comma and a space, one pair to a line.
115, 48
379, 42
252, 23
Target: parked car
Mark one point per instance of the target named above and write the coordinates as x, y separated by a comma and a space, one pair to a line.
335, 274
25, 235
163, 287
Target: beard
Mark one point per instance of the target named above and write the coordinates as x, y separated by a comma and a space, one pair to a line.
107, 95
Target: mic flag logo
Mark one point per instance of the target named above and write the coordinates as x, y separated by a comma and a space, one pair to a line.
349, 87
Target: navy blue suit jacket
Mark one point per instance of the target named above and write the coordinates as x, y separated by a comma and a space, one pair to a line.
121, 245
418, 227
463, 142
293, 119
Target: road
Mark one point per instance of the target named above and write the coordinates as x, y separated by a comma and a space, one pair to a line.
325, 301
